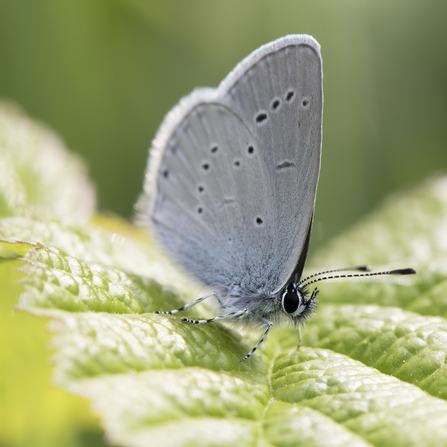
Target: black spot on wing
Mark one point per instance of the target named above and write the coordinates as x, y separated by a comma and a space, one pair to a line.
284, 165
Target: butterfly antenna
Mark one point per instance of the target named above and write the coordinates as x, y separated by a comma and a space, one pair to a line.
360, 268
408, 271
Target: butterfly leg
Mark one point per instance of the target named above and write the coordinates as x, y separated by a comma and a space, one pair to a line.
192, 303
264, 336
219, 299
238, 313
314, 295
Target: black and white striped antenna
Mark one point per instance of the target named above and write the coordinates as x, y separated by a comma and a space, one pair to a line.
364, 268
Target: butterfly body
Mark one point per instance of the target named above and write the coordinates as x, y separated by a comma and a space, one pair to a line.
262, 304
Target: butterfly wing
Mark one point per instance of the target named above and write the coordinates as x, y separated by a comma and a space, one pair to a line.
233, 171
277, 91
211, 187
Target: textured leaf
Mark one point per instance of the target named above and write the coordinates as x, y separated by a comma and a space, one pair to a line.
32, 411
370, 374
371, 370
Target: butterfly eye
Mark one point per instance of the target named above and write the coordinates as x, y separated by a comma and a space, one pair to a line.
290, 301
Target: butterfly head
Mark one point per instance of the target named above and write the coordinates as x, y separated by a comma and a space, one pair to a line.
297, 303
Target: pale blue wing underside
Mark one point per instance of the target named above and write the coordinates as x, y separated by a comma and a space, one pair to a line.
233, 171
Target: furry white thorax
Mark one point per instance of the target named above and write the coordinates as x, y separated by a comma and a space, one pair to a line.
261, 304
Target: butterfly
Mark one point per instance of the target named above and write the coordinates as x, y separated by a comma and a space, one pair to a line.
232, 181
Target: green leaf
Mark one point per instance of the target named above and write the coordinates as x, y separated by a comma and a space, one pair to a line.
37, 174
32, 411
371, 370
38, 178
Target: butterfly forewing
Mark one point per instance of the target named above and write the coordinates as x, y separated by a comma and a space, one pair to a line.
280, 98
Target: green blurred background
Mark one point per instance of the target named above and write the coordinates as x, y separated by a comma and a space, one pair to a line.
104, 73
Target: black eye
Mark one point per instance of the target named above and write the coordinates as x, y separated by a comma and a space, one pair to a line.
290, 301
